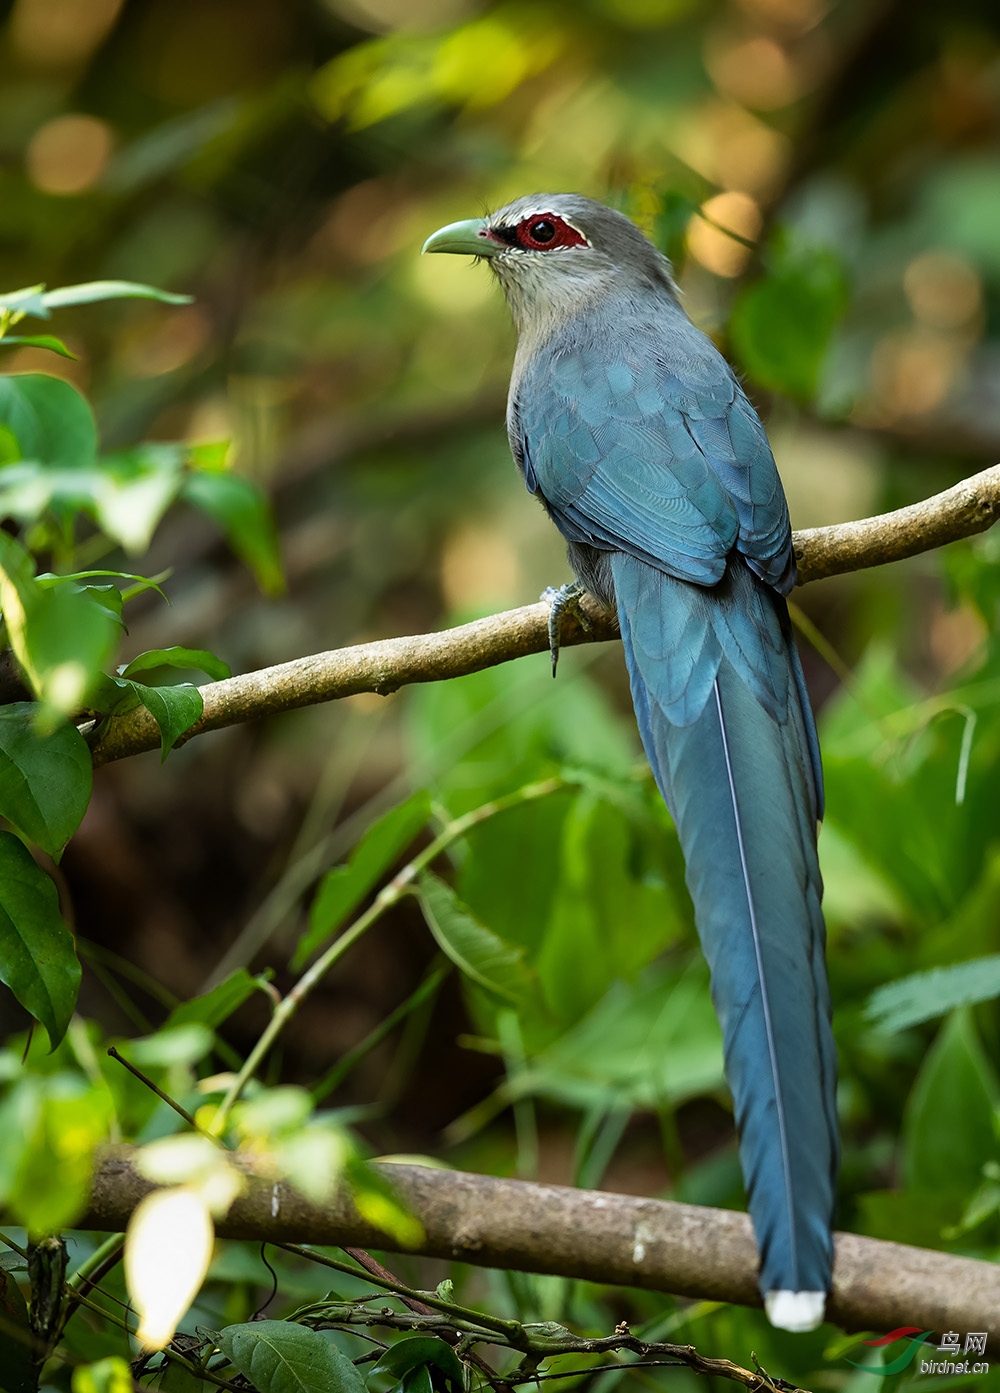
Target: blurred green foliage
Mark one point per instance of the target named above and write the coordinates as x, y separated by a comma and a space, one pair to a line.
281, 163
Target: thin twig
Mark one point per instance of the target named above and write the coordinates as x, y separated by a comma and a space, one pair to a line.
401, 885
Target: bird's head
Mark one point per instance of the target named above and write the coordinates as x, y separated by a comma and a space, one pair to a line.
554, 254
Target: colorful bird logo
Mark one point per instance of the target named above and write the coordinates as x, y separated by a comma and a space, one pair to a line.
901, 1361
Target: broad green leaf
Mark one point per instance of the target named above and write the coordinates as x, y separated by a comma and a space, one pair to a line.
948, 1133
136, 489
413, 1352
174, 709
198, 658
342, 889
48, 341
417, 1380
51, 1127
483, 957
90, 292
781, 325
280, 1357
50, 420
19, 1374
111, 1375
215, 1006
61, 636
244, 514
911, 1000
184, 1042
37, 956
45, 780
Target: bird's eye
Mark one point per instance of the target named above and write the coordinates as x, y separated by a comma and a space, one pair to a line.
543, 233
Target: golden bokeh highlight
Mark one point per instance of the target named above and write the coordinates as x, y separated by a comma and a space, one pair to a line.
60, 33
756, 71
913, 372
792, 16
729, 146
69, 154
708, 238
944, 291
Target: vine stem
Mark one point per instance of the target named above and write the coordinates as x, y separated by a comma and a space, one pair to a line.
400, 886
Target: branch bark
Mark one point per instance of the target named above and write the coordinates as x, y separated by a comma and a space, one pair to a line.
684, 1249
969, 507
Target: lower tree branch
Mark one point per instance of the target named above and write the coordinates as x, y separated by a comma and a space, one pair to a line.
684, 1249
383, 667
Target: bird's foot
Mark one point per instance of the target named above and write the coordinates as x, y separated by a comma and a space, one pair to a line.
563, 600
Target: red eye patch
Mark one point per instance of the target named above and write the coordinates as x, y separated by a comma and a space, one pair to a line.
545, 230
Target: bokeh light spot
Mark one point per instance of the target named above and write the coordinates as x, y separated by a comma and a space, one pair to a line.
58, 33
943, 290
709, 241
69, 154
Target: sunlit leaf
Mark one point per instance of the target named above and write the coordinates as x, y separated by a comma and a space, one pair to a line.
45, 779
168, 1246
50, 1129
111, 1375
278, 1356
38, 961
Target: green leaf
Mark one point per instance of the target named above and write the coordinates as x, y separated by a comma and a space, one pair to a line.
174, 709
50, 420
781, 325
45, 780
217, 1005
28, 301
417, 1380
50, 1129
61, 636
948, 1133
37, 341
244, 514
90, 292
198, 658
134, 491
175, 1378
924, 995
343, 888
16, 1353
280, 1357
475, 950
37, 956
111, 1375
414, 1352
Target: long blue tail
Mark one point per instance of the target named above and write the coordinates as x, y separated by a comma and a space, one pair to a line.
724, 717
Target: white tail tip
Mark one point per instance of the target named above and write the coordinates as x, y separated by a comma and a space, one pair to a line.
795, 1310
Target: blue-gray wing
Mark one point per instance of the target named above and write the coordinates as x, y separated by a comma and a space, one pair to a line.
648, 445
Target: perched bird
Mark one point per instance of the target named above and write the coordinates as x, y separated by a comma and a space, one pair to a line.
633, 432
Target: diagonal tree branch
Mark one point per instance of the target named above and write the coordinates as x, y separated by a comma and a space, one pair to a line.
684, 1249
969, 507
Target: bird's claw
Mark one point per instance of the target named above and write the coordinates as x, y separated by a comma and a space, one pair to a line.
563, 599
